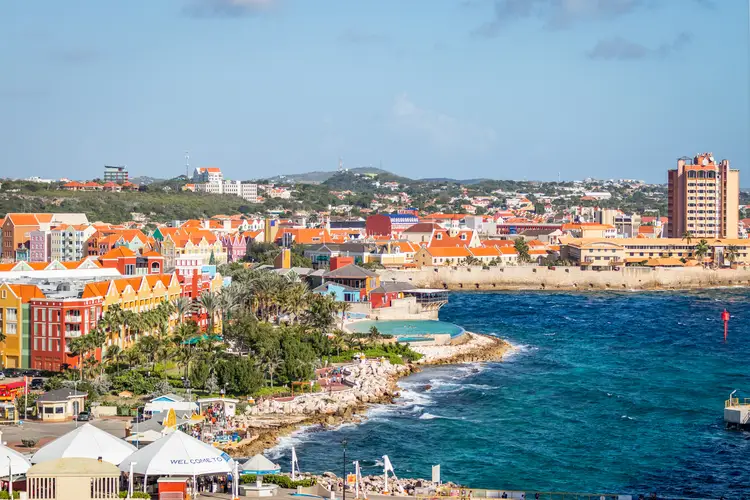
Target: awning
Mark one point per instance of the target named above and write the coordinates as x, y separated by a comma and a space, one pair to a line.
12, 462
260, 466
86, 441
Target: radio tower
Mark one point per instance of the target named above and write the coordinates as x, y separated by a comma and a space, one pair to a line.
187, 164
341, 164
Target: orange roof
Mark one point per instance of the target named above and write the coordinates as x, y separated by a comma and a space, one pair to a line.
508, 251
38, 266
484, 252
117, 253
152, 254
306, 235
497, 243
26, 292
448, 251
97, 289
25, 219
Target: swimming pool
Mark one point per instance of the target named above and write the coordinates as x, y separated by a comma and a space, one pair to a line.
411, 330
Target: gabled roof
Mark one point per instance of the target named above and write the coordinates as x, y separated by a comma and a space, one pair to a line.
59, 395
422, 227
117, 253
448, 251
350, 271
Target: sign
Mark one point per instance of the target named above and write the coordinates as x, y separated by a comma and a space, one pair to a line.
351, 478
436, 474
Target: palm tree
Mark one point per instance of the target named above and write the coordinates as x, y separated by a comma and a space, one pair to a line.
702, 249
688, 237
523, 250
338, 342
271, 363
344, 307
114, 356
731, 253
77, 348
210, 302
182, 306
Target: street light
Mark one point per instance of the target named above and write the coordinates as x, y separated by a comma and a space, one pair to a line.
10, 476
138, 425
343, 483
75, 393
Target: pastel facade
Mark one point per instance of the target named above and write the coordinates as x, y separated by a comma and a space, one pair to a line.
14, 310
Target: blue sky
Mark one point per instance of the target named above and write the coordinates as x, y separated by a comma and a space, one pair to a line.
457, 88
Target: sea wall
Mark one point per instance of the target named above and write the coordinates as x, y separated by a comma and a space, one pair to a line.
567, 278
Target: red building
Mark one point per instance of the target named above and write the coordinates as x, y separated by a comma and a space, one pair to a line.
131, 264
378, 225
55, 321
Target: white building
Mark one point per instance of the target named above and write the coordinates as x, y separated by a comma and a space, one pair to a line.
68, 242
209, 175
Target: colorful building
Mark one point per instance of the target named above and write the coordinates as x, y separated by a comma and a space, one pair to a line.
14, 308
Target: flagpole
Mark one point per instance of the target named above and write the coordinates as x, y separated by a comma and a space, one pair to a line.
356, 478
294, 459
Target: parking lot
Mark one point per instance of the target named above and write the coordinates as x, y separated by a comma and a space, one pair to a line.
46, 432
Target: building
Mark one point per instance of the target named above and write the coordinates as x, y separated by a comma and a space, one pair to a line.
17, 228
344, 272
209, 175
60, 405
40, 246
441, 256
69, 242
57, 318
14, 308
79, 478
611, 252
118, 175
703, 198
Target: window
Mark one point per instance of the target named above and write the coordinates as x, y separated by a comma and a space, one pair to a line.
48, 410
59, 409
11, 328
11, 314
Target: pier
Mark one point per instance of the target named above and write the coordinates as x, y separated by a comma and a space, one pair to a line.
737, 412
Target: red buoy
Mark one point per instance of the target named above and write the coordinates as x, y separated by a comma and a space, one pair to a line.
725, 319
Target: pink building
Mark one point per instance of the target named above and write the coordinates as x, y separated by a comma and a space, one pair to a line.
40, 246
236, 247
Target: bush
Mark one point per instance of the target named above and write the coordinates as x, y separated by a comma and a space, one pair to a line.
136, 494
29, 443
266, 392
282, 481
5, 495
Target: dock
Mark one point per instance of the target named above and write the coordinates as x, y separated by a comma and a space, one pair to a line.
737, 412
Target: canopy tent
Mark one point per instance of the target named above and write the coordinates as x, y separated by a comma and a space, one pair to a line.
178, 454
86, 441
148, 436
260, 466
12, 462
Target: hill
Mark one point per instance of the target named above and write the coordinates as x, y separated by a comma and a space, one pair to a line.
319, 176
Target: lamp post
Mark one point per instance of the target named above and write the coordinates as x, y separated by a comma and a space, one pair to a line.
343, 483
130, 480
10, 476
138, 415
75, 393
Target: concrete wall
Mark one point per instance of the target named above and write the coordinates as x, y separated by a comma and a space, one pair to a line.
567, 278
406, 308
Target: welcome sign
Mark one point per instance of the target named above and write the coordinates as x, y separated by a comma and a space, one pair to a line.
193, 461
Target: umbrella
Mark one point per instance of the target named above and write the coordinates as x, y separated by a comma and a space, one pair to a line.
260, 466
86, 441
148, 436
19, 464
178, 454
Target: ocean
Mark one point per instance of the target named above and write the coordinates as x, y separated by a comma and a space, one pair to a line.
608, 393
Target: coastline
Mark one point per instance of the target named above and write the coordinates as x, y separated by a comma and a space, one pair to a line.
371, 382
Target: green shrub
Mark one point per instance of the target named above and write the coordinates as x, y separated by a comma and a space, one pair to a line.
4, 495
29, 443
279, 480
136, 494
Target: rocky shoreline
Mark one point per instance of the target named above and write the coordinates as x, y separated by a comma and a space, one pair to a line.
370, 382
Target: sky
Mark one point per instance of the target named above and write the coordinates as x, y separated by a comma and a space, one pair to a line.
506, 89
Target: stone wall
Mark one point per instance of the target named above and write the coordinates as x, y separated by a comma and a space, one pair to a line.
567, 278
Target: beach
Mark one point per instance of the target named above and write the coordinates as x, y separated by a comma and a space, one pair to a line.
367, 382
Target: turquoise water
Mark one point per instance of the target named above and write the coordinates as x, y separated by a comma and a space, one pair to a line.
412, 329
610, 392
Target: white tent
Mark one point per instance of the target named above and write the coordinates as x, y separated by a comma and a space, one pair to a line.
86, 441
260, 466
18, 464
148, 436
178, 454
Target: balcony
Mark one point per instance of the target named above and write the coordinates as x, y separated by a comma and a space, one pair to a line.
72, 334
72, 319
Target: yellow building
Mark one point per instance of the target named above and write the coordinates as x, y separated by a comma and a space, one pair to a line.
201, 244
608, 252
14, 308
134, 294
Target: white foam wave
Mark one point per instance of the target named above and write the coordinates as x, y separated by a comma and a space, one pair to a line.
629, 418
428, 416
286, 442
518, 351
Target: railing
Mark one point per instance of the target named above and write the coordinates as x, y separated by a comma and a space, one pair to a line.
528, 495
72, 319
736, 402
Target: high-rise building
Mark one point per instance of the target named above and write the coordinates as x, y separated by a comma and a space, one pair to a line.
118, 175
704, 197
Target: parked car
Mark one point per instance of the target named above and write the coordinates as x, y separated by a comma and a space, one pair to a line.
84, 416
36, 384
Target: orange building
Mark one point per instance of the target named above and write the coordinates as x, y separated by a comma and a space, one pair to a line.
703, 198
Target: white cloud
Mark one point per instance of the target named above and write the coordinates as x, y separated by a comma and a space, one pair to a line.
441, 130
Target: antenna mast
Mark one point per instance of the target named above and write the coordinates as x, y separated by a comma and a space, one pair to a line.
187, 164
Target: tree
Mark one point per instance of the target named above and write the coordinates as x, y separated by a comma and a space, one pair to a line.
731, 253
210, 302
182, 306
114, 356
344, 307
523, 250
702, 249
212, 259
688, 237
